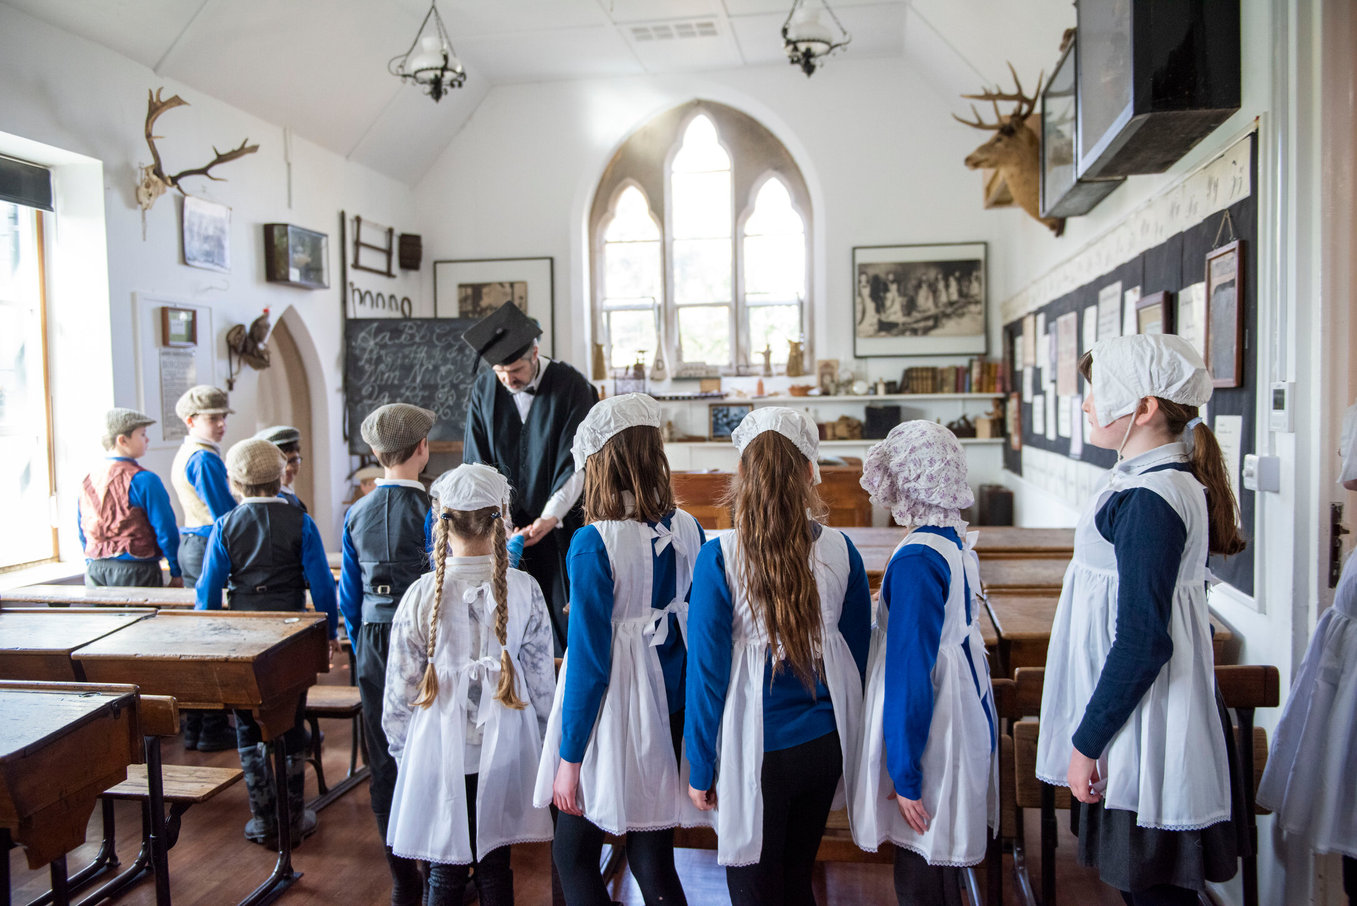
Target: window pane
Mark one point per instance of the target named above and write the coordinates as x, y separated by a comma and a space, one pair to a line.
631, 270
775, 267
630, 332
701, 270
774, 326
773, 212
25, 494
631, 218
704, 334
701, 204
701, 150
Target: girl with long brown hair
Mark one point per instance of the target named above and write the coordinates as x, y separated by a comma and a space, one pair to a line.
1130, 720
779, 630
611, 761
468, 689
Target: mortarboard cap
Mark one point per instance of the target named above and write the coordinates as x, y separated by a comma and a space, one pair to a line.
503, 336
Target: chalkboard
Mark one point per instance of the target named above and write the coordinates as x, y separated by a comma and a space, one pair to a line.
408, 360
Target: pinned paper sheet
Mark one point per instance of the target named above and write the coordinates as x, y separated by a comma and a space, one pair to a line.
1191, 316
1109, 311
1077, 432
1067, 354
1129, 300
1028, 379
1050, 411
1063, 422
1229, 431
1039, 415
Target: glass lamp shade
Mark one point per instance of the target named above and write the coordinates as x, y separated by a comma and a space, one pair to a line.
425, 64
807, 35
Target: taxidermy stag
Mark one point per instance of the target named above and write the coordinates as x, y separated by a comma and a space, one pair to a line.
154, 180
1015, 149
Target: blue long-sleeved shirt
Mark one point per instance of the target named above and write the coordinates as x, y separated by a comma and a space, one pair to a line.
1149, 538
217, 569
206, 471
590, 635
792, 714
914, 592
147, 492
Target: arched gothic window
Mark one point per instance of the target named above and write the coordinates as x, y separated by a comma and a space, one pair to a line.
700, 226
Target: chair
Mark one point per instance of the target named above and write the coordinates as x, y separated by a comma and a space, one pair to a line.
335, 702
154, 785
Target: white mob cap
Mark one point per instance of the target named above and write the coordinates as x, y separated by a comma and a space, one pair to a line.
1349, 444
610, 417
791, 424
471, 486
919, 473
1128, 369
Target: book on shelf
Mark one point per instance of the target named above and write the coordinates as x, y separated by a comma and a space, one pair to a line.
978, 375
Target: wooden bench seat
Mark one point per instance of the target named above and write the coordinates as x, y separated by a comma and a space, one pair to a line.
182, 783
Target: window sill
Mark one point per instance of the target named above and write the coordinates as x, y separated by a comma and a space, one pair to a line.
51, 573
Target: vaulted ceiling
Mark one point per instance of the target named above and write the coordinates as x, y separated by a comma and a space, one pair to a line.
320, 66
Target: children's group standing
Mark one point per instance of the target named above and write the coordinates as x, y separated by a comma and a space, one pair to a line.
740, 683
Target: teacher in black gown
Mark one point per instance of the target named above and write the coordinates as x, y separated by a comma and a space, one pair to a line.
522, 420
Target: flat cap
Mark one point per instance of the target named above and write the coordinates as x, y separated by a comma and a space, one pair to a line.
203, 399
280, 434
369, 473
396, 426
503, 336
254, 461
124, 421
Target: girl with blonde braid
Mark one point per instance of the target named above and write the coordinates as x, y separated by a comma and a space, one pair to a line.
469, 684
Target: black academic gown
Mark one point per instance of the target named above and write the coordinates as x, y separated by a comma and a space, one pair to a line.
535, 457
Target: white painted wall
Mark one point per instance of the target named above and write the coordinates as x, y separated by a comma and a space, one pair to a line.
93, 104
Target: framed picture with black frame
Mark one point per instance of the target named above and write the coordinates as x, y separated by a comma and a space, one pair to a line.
724, 418
919, 299
1154, 313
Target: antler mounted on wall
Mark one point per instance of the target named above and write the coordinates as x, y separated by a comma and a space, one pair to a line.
154, 181
1015, 149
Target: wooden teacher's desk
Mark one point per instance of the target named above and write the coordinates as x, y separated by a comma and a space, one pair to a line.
36, 644
61, 746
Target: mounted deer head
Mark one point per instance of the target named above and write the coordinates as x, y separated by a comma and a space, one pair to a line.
1015, 149
154, 181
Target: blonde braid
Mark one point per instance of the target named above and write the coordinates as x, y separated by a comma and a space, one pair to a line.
428, 686
505, 693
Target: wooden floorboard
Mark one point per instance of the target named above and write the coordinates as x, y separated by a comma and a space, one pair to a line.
213, 864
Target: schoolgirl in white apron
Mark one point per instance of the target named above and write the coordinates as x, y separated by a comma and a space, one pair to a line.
941, 775
469, 686
1129, 684
1309, 782
610, 760
769, 756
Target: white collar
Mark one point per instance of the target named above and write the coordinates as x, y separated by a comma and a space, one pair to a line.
199, 442
400, 483
262, 500
1141, 462
478, 567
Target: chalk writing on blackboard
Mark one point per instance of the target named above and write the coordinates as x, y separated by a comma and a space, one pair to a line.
412, 360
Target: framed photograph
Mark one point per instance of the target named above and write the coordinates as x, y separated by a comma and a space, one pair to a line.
474, 288
827, 376
724, 418
207, 234
178, 326
296, 257
1225, 314
919, 299
1154, 313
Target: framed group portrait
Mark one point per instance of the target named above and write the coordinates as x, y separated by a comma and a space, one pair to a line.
473, 288
919, 299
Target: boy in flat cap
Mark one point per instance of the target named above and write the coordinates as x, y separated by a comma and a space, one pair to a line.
126, 522
386, 539
289, 440
522, 420
199, 479
265, 553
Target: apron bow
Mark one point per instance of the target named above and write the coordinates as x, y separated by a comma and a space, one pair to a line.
475, 591
486, 669
658, 627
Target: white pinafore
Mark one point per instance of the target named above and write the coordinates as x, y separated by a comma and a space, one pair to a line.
1144, 764
1308, 781
960, 763
429, 801
628, 779
738, 817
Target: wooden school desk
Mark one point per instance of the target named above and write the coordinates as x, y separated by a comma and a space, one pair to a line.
81, 596
61, 746
1023, 623
36, 644
261, 662
1035, 575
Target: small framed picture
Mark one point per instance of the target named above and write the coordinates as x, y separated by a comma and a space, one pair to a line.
296, 256
827, 376
1154, 313
207, 234
1225, 314
724, 418
178, 326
